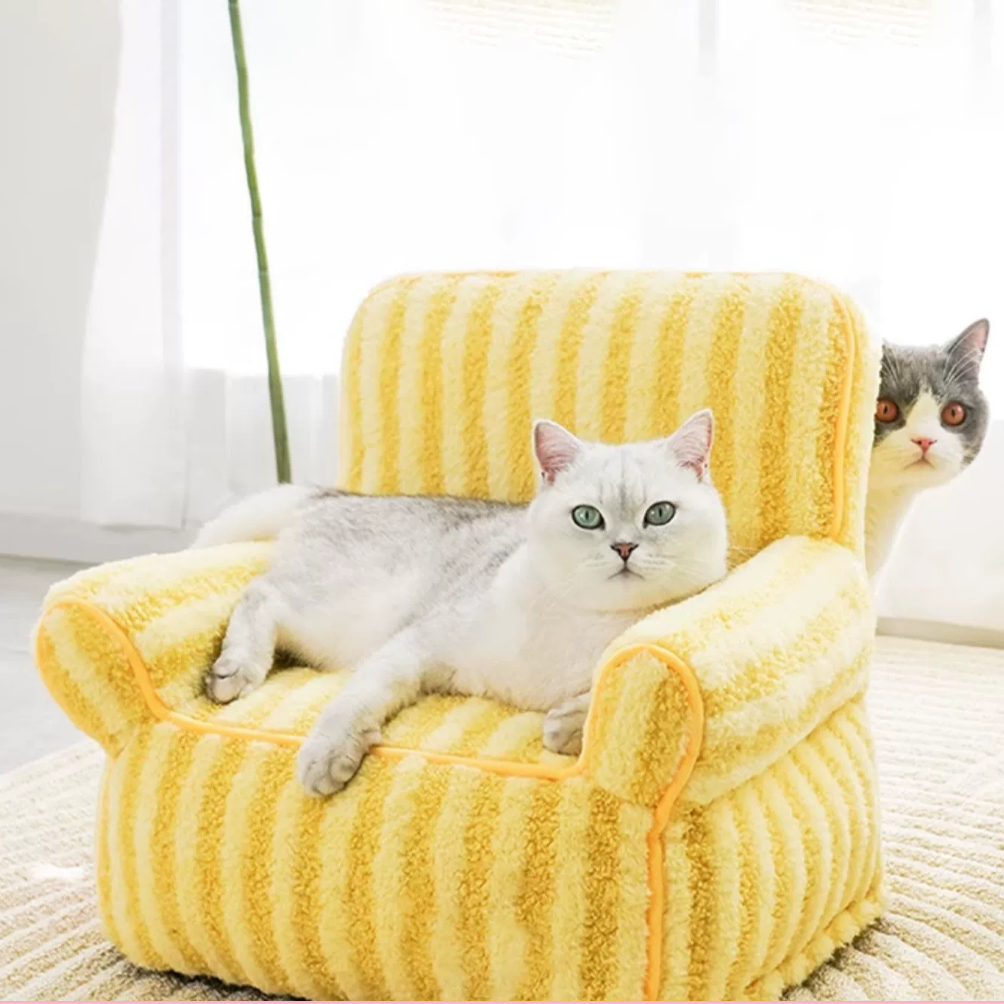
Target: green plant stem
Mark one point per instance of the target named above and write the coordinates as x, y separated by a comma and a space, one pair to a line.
279, 433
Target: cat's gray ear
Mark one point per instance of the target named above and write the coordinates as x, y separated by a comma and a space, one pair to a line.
555, 448
691, 443
965, 351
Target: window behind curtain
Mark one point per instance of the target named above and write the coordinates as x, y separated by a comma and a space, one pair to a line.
857, 141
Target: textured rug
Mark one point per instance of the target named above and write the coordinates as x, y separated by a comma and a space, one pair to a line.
938, 715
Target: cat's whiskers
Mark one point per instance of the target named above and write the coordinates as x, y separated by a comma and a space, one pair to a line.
969, 359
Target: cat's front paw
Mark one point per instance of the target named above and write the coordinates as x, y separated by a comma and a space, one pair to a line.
331, 755
563, 727
230, 678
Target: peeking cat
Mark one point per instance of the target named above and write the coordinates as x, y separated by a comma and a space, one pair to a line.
930, 421
514, 602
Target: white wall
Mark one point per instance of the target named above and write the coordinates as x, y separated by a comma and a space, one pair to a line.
58, 67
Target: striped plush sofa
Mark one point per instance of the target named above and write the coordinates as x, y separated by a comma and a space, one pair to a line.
717, 838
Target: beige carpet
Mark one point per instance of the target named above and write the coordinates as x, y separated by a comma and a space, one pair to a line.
938, 714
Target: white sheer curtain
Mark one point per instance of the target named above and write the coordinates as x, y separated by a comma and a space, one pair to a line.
857, 140
132, 423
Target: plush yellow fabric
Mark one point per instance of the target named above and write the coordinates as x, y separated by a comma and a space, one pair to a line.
443, 375
718, 836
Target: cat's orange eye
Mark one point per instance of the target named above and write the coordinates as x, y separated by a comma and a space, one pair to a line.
886, 410
953, 413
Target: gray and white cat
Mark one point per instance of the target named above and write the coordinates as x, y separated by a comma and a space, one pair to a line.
930, 421
514, 602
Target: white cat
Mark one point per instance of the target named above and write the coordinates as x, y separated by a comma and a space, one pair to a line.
930, 422
513, 602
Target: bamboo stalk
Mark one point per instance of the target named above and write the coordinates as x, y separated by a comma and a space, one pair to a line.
279, 433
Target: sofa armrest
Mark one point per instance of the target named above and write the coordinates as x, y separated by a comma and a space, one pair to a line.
700, 696
170, 609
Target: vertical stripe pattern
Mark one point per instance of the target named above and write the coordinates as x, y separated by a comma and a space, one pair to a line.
267, 909
718, 837
612, 356
743, 862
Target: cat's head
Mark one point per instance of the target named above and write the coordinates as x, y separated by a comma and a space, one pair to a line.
931, 416
631, 526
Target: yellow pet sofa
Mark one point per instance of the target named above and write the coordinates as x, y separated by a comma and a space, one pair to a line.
718, 837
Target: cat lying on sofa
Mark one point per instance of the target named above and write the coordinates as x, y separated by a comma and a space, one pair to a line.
470, 592
484, 598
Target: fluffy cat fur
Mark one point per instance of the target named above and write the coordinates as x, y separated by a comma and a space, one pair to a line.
921, 439
513, 602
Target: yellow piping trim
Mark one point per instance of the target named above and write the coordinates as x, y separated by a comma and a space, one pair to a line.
509, 768
843, 419
512, 768
846, 386
663, 809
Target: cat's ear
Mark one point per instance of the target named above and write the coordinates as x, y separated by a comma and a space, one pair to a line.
965, 351
555, 448
691, 443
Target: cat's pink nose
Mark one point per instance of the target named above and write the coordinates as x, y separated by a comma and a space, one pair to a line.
624, 549
924, 443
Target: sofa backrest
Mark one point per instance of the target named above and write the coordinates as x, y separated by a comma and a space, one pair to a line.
443, 375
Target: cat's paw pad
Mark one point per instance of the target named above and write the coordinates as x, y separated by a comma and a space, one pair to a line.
229, 679
563, 727
331, 755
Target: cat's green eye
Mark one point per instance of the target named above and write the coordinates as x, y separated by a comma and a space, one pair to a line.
660, 513
587, 516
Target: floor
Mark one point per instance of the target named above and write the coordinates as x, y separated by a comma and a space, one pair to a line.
31, 723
